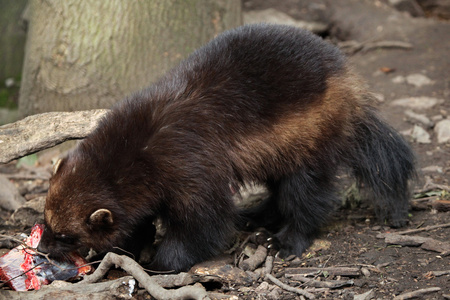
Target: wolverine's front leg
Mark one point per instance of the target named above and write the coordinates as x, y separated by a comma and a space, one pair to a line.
194, 235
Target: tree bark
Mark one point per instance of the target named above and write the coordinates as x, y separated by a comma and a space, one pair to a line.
82, 55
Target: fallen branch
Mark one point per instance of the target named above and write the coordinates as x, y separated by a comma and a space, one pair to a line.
431, 186
428, 228
417, 293
386, 44
438, 273
351, 47
416, 241
288, 287
331, 284
152, 287
42, 131
332, 271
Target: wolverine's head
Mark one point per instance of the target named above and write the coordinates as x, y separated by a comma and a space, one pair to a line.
80, 209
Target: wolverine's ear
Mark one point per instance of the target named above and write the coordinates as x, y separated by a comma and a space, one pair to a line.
101, 217
57, 165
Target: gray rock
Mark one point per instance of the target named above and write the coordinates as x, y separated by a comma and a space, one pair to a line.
417, 102
437, 118
420, 118
10, 198
399, 79
30, 213
432, 169
366, 296
420, 135
442, 130
418, 80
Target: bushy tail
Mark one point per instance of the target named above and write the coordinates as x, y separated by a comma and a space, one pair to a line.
383, 162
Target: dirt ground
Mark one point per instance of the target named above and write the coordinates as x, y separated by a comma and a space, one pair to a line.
353, 238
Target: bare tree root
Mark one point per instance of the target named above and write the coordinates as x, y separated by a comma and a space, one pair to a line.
134, 269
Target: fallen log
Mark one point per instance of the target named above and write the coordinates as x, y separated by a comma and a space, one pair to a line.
42, 131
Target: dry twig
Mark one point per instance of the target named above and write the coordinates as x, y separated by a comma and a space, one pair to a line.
288, 287
333, 271
351, 47
428, 228
331, 284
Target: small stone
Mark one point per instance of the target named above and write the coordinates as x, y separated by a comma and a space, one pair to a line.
30, 213
419, 117
263, 287
420, 135
417, 102
398, 79
365, 272
10, 198
274, 294
432, 169
437, 118
442, 130
366, 296
418, 80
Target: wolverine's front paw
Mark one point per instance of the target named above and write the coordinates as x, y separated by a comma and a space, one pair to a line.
292, 245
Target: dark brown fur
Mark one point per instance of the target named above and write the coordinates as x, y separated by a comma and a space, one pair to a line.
263, 103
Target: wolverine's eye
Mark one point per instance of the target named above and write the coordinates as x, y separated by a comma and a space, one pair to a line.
66, 239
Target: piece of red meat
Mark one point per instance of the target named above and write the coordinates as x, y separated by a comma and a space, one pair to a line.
23, 269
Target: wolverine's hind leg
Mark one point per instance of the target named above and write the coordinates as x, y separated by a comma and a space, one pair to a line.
305, 200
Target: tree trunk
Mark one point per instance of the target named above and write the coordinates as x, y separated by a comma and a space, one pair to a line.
90, 54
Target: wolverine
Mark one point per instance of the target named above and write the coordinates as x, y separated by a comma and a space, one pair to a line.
271, 104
